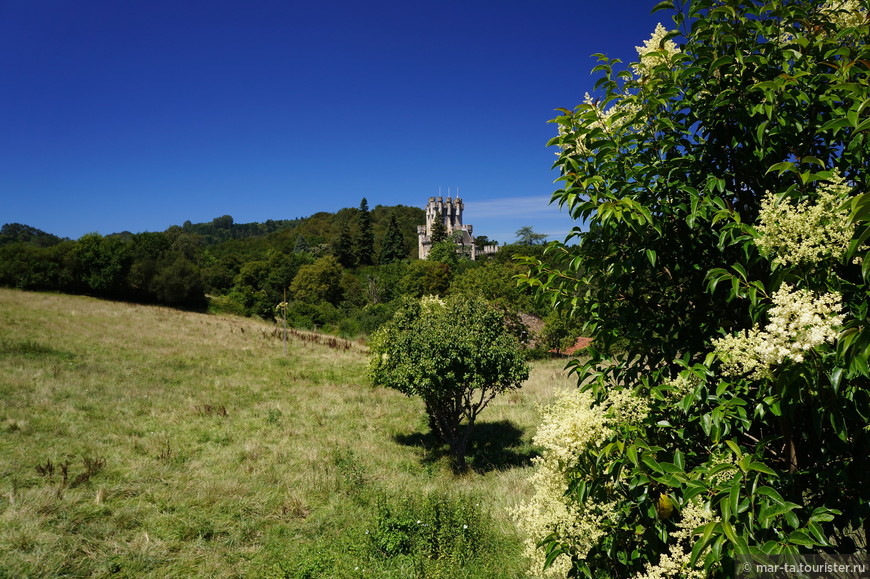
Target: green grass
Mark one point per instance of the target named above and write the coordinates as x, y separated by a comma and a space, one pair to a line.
146, 442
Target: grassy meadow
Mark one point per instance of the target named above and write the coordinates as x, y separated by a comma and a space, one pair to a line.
141, 441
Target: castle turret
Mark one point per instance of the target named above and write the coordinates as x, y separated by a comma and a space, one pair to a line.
450, 212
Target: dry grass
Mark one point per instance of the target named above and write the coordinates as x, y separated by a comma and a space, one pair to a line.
144, 441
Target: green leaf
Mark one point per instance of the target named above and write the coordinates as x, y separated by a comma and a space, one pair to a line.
823, 514
791, 518
813, 160
666, 5
771, 493
706, 424
734, 495
800, 537
721, 61
760, 132
692, 489
554, 549
761, 467
740, 270
818, 534
651, 256
734, 448
782, 168
702, 543
769, 512
631, 451
729, 531
652, 463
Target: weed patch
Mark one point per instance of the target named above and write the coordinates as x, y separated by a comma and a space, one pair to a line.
68, 478
433, 534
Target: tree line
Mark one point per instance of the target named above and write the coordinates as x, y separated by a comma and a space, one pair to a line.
342, 272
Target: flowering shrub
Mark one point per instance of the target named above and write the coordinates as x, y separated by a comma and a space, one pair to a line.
722, 186
798, 323
572, 426
658, 50
805, 233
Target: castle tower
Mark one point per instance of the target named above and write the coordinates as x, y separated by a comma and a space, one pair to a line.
450, 212
451, 216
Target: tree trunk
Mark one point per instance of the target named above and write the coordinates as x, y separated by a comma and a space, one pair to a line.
790, 447
459, 447
446, 424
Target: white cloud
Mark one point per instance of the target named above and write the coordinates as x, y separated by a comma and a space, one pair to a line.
532, 206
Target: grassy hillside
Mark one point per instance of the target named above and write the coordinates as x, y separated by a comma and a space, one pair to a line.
144, 441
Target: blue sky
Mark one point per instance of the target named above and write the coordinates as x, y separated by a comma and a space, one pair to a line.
138, 115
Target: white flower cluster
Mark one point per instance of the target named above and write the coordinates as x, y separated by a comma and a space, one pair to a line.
841, 13
805, 233
844, 13
799, 322
683, 384
724, 475
676, 562
551, 512
571, 425
431, 302
626, 408
609, 120
622, 114
654, 51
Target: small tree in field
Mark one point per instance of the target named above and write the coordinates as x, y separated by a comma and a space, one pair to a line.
456, 355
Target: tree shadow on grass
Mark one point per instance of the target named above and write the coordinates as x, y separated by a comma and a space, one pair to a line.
493, 446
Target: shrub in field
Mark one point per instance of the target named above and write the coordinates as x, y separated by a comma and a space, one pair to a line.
435, 527
722, 272
456, 355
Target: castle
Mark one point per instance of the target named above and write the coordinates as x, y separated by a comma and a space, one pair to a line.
450, 213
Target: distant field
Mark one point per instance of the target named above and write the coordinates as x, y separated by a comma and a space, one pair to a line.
143, 441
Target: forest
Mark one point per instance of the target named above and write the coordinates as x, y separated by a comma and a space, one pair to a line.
343, 273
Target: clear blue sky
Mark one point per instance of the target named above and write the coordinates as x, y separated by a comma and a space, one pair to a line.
137, 115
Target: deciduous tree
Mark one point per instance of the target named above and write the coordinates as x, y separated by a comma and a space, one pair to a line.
319, 282
456, 355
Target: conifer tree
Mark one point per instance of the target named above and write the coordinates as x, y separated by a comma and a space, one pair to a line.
344, 247
439, 230
365, 241
393, 246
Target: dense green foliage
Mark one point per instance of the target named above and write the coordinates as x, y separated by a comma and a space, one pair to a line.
720, 274
317, 263
456, 355
18, 233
